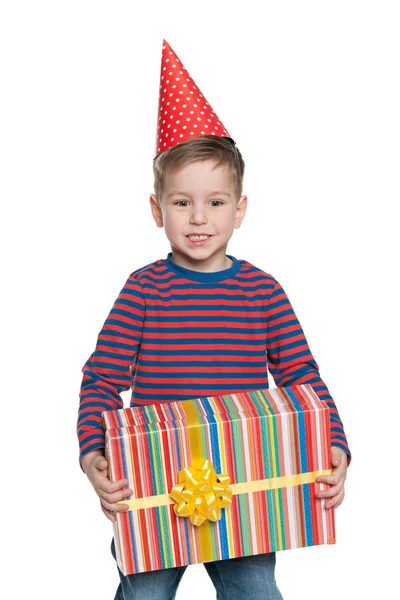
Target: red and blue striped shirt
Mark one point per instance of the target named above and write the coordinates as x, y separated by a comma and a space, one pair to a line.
176, 334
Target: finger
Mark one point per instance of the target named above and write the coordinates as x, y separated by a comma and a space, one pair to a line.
100, 462
115, 496
340, 470
108, 513
114, 507
340, 502
338, 460
334, 502
332, 491
336, 474
111, 486
331, 479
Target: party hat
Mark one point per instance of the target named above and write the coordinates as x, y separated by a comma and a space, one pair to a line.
183, 111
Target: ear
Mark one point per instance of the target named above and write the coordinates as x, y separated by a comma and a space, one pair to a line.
156, 210
240, 211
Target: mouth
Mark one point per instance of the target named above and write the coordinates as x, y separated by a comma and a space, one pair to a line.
197, 237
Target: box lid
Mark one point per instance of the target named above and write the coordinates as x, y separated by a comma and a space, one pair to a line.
237, 405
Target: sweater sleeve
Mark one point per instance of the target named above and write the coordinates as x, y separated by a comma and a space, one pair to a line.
290, 360
107, 372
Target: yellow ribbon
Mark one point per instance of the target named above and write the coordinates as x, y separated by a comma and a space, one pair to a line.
201, 493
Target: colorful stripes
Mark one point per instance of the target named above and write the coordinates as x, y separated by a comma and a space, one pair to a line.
250, 436
175, 334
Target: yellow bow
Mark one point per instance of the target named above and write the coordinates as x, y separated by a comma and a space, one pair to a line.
201, 493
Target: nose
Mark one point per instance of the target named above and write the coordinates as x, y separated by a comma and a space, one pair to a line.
198, 215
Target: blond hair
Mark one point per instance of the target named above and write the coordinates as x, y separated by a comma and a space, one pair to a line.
222, 150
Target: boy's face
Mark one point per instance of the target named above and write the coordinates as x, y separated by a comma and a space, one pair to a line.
198, 200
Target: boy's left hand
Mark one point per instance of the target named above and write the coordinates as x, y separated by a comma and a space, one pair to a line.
335, 493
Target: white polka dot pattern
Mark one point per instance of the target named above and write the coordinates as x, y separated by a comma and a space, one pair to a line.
183, 111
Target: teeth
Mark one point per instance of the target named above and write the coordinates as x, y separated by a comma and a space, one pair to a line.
197, 238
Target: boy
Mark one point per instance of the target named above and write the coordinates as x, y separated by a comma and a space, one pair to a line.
198, 323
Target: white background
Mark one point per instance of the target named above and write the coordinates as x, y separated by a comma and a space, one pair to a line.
310, 93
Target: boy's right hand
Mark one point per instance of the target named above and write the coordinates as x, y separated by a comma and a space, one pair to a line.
95, 466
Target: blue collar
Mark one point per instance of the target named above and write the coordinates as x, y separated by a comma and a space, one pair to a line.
204, 275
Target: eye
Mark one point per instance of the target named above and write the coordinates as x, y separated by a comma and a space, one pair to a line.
218, 201
179, 202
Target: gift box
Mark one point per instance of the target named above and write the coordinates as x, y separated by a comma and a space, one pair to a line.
220, 477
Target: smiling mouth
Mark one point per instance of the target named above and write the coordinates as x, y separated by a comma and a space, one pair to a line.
198, 237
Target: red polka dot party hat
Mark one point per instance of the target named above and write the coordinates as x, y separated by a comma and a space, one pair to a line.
183, 111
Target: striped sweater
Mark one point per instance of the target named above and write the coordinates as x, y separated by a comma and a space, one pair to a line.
175, 334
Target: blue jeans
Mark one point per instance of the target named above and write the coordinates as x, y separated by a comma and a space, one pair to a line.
234, 579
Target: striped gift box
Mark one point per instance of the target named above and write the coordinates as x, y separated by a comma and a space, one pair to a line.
271, 443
